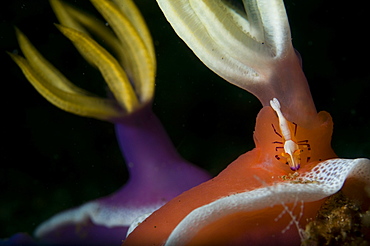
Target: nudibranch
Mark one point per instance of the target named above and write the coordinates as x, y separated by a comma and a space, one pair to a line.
157, 172
271, 194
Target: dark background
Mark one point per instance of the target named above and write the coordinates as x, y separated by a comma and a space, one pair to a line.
51, 160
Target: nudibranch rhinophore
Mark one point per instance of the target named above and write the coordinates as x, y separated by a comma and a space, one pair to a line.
270, 194
157, 172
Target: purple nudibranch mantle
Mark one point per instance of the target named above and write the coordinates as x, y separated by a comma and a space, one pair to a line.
157, 174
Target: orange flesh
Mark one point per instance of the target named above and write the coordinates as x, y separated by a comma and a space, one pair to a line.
255, 169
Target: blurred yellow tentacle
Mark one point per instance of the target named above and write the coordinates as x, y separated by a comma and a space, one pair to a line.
111, 70
43, 68
130, 78
73, 102
79, 20
133, 14
140, 67
63, 13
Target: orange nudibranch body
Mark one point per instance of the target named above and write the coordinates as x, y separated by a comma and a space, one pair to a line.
255, 169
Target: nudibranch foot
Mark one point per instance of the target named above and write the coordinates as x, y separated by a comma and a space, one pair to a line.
250, 202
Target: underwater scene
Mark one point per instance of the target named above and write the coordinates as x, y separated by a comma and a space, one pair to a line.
53, 160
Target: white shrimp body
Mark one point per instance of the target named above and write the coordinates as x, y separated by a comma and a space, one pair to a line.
291, 148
